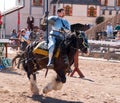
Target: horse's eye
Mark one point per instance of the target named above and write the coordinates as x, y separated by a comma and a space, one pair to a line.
85, 44
79, 36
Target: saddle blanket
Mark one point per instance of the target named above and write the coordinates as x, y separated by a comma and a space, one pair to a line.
42, 48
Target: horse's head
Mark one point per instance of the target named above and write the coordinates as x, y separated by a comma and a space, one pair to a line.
78, 40
82, 41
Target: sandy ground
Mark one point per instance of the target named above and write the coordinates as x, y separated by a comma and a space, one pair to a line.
100, 85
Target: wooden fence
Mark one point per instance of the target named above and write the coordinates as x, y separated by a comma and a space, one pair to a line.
104, 49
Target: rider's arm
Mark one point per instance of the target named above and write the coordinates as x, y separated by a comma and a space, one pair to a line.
67, 25
52, 19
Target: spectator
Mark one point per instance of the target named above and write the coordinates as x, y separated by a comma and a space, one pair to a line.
13, 34
23, 40
30, 23
35, 34
104, 34
116, 29
27, 34
13, 37
118, 36
109, 30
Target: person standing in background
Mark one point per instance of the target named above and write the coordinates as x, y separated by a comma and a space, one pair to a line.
23, 40
117, 38
13, 37
14, 34
27, 33
109, 30
30, 23
35, 34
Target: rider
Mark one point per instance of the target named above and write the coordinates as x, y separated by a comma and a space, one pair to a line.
58, 23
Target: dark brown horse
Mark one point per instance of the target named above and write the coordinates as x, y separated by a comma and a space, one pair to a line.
33, 62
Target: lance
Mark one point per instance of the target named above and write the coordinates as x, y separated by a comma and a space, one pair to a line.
47, 19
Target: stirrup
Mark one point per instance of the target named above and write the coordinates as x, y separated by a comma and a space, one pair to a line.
50, 66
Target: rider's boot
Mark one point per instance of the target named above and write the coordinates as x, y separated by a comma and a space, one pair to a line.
51, 58
51, 62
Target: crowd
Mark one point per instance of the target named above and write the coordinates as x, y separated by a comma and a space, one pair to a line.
25, 36
109, 32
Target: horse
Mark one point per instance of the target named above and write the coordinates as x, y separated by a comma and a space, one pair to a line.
33, 62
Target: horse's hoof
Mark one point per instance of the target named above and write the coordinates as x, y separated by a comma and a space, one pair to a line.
45, 91
35, 93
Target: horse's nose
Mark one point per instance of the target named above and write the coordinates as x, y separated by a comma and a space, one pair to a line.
87, 53
84, 50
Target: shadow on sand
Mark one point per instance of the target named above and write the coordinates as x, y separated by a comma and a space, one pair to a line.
43, 99
84, 78
9, 71
90, 80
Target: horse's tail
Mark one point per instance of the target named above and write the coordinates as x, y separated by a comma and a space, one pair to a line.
17, 59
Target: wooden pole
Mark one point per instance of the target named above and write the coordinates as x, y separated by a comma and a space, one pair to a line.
6, 50
18, 21
76, 63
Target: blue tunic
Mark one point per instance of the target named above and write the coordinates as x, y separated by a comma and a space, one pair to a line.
57, 24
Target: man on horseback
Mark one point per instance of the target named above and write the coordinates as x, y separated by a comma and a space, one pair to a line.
59, 23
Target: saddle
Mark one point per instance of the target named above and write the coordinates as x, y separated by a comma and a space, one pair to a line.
42, 49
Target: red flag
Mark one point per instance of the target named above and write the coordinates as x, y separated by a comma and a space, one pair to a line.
0, 18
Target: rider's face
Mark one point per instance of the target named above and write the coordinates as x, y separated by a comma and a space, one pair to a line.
61, 14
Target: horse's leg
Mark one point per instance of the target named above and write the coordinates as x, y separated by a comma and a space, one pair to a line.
33, 84
19, 62
31, 76
14, 61
56, 84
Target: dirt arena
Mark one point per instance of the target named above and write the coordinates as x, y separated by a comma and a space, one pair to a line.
100, 85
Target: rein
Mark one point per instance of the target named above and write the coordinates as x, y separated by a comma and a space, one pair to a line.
73, 47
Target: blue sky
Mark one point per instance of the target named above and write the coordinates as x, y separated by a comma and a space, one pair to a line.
7, 4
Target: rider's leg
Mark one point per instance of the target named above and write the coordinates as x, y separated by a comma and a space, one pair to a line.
51, 58
51, 46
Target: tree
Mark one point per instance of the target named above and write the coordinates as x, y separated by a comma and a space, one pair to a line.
99, 19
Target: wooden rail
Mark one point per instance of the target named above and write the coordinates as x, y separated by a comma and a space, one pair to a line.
104, 49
